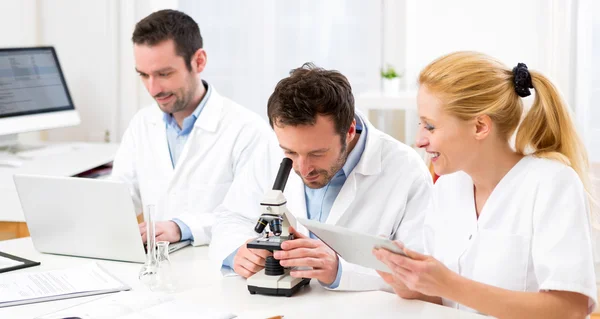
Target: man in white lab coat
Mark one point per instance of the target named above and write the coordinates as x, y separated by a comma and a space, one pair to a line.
347, 173
183, 153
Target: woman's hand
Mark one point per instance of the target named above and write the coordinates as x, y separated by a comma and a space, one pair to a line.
416, 273
426, 275
398, 286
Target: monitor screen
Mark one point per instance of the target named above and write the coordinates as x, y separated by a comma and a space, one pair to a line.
31, 82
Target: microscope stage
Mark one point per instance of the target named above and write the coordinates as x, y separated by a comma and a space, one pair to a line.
269, 243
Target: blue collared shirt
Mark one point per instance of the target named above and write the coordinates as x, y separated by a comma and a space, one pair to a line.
176, 139
319, 201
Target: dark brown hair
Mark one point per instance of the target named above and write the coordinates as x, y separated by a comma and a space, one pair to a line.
170, 25
310, 91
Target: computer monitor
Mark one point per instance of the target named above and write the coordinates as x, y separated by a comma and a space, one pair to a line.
33, 93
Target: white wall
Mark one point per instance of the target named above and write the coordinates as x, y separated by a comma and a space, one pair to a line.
593, 116
251, 45
394, 36
84, 33
510, 30
19, 23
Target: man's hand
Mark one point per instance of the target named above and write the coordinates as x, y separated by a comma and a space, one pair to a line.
303, 251
247, 261
164, 231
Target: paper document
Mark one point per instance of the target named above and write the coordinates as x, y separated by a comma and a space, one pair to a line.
141, 304
30, 287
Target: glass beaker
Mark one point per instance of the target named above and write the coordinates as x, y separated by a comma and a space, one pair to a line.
165, 271
148, 274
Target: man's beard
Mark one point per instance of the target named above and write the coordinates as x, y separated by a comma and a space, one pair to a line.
330, 173
181, 103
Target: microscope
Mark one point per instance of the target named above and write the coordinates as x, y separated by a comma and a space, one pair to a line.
274, 279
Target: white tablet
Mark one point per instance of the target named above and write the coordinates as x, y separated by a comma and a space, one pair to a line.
355, 247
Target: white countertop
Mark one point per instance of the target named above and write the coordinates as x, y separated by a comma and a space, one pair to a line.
197, 282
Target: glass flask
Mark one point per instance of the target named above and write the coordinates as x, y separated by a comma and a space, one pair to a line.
148, 274
165, 281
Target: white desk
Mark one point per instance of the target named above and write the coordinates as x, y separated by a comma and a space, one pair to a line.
197, 282
82, 157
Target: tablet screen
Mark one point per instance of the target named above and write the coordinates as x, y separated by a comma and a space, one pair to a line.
354, 247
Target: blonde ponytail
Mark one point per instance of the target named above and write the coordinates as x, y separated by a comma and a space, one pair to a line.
548, 131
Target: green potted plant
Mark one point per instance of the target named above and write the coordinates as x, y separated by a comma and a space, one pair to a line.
391, 80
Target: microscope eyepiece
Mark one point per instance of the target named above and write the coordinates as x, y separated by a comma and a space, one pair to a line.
282, 175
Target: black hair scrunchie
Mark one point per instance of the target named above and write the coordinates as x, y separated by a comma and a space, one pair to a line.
522, 80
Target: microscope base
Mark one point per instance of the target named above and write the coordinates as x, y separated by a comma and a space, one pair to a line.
284, 285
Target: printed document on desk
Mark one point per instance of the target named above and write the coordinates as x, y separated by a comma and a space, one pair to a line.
30, 287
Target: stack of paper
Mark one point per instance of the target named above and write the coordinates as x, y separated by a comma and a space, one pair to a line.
31, 287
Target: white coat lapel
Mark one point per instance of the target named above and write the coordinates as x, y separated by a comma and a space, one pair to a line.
343, 200
296, 202
208, 121
369, 164
159, 145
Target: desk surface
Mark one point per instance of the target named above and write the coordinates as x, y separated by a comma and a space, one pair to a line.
197, 282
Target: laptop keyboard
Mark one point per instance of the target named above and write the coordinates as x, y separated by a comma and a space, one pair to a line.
173, 246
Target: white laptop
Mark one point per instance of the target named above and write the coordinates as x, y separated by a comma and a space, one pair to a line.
82, 217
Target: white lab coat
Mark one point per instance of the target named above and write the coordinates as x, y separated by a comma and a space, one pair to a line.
533, 233
220, 145
387, 193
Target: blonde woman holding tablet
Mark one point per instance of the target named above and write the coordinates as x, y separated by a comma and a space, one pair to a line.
509, 233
